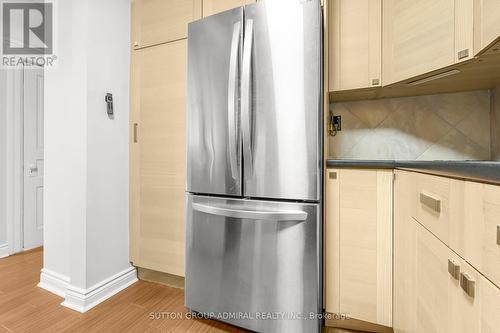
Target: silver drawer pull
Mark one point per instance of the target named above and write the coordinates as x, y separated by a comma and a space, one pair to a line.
454, 269
467, 284
432, 203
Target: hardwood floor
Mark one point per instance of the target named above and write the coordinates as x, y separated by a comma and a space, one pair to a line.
26, 308
143, 307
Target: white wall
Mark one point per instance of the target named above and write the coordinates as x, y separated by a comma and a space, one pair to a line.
65, 148
3, 160
108, 139
86, 153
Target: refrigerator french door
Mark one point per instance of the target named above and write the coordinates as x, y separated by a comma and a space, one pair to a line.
254, 166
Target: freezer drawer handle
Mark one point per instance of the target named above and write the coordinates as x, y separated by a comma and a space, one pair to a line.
285, 215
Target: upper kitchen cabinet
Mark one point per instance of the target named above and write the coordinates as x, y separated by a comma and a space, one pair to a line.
161, 21
486, 24
423, 36
211, 7
355, 43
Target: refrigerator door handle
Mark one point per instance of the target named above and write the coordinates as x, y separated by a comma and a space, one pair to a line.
246, 97
285, 215
233, 99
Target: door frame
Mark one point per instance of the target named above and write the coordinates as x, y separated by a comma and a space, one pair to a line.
15, 152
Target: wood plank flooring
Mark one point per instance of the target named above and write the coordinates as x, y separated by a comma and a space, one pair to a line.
26, 308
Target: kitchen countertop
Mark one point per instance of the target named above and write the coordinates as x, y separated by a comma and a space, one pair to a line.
482, 171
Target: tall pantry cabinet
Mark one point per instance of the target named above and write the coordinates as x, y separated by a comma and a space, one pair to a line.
158, 128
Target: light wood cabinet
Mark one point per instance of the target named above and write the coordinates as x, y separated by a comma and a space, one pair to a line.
211, 7
436, 288
158, 157
355, 44
490, 307
358, 236
431, 283
442, 305
161, 21
422, 36
405, 249
439, 203
486, 23
476, 236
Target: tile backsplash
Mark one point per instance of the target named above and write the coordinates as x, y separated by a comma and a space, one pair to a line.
434, 127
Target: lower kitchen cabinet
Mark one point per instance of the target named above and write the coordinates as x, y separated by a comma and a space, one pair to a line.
435, 288
358, 244
476, 236
158, 157
405, 249
490, 307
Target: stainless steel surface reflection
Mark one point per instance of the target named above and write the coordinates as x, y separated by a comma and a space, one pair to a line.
285, 100
213, 152
254, 224
265, 264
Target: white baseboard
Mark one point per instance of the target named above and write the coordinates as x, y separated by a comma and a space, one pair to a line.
82, 300
53, 282
4, 250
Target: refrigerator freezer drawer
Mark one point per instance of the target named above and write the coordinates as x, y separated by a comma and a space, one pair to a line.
254, 264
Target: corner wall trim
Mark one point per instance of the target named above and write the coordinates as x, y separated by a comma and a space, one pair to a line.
4, 250
54, 282
82, 300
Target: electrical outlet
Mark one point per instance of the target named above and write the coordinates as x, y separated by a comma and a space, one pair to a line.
337, 123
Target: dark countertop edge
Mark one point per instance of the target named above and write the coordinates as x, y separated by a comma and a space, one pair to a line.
480, 171
367, 164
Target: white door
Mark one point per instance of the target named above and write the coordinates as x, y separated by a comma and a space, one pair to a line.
33, 158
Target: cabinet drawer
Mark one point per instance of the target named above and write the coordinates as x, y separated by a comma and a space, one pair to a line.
477, 236
439, 200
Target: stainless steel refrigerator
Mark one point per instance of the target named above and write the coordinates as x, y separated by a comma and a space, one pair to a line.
254, 179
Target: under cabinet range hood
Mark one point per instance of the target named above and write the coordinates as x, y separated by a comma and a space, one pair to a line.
254, 167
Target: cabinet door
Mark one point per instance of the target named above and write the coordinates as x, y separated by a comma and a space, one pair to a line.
211, 7
355, 44
476, 237
405, 253
490, 307
425, 35
486, 23
161, 21
158, 157
332, 239
432, 283
359, 244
